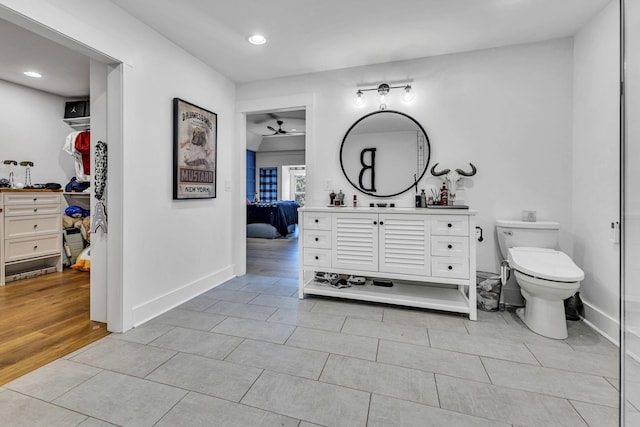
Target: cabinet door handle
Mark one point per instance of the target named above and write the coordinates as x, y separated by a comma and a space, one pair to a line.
35, 209
450, 267
35, 247
35, 199
381, 223
35, 225
317, 257
316, 220
375, 222
449, 246
449, 225
317, 240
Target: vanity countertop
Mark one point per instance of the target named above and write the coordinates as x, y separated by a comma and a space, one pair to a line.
389, 210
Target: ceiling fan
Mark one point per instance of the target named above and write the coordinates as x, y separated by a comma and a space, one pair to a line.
280, 131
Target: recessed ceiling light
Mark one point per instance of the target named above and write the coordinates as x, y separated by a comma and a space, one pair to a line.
257, 39
32, 74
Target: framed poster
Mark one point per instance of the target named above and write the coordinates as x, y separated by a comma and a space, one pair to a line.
195, 139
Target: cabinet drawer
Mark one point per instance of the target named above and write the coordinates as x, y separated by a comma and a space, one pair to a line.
317, 239
29, 226
450, 246
317, 257
35, 198
450, 225
17, 210
19, 249
317, 221
451, 267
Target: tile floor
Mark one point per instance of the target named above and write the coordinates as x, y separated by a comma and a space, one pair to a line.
249, 353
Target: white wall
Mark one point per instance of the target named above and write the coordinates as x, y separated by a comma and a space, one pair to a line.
172, 250
31, 128
507, 110
596, 170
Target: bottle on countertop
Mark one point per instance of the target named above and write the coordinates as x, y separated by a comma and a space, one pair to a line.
444, 195
423, 199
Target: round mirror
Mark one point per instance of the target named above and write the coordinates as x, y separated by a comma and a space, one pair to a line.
385, 153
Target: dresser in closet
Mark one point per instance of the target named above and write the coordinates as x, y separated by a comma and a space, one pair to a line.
31, 225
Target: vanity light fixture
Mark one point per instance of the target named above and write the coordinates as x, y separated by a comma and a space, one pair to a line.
32, 74
257, 39
383, 91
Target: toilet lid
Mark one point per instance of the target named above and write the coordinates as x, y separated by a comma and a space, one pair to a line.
545, 263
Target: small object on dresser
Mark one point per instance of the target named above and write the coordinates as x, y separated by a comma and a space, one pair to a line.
423, 199
444, 195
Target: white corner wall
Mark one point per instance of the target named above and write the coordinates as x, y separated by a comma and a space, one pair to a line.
31, 128
171, 250
596, 167
507, 110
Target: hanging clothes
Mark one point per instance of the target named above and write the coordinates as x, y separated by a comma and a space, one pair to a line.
77, 144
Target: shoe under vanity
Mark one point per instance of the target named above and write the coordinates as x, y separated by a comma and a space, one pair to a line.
428, 255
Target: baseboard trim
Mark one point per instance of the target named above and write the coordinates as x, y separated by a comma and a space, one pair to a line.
155, 307
602, 323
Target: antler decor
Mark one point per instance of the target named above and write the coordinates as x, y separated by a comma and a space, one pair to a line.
452, 177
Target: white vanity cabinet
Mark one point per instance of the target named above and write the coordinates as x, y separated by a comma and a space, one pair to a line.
31, 233
429, 255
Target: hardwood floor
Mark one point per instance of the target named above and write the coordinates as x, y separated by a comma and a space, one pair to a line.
47, 317
43, 319
273, 257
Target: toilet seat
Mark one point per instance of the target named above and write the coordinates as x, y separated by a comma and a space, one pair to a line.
546, 264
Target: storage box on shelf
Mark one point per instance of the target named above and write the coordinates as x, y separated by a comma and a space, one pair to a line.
429, 255
32, 233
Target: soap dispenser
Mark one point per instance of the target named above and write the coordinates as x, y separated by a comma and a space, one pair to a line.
423, 199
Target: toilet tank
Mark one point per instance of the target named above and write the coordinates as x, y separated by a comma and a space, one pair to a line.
538, 234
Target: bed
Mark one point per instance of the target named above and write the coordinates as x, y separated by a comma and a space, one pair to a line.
272, 220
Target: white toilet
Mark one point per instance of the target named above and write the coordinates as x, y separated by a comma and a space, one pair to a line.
546, 276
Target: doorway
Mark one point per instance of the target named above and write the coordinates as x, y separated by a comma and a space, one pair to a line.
104, 75
248, 250
275, 172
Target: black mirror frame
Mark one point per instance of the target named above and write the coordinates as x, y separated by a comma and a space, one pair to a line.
413, 184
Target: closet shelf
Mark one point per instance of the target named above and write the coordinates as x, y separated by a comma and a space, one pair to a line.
78, 122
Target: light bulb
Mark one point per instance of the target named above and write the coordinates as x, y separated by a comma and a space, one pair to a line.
32, 74
257, 39
359, 98
407, 94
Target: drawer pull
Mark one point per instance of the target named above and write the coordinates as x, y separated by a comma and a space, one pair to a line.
449, 246
35, 209
35, 247
449, 225
450, 267
317, 257
35, 199
316, 220
35, 225
317, 239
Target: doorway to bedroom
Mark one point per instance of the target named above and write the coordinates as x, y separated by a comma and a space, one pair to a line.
275, 189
